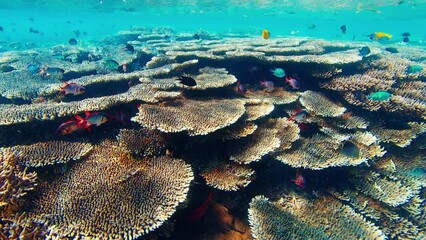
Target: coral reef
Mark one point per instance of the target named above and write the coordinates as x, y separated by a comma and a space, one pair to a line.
228, 176
401, 138
194, 116
142, 142
110, 195
317, 104
48, 153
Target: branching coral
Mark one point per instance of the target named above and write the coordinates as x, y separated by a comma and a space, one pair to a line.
253, 147
12, 114
325, 218
268, 221
317, 104
111, 195
401, 138
196, 117
142, 142
391, 192
357, 82
319, 152
255, 111
48, 153
285, 130
15, 183
228, 176
238, 131
21, 227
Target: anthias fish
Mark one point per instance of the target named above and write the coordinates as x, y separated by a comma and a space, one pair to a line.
241, 89
299, 180
187, 81
72, 88
293, 82
269, 85
68, 127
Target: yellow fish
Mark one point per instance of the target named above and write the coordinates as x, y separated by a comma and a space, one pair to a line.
265, 34
380, 36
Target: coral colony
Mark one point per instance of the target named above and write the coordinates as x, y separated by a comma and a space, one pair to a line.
358, 174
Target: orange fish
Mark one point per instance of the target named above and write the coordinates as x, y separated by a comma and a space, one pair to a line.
68, 127
265, 34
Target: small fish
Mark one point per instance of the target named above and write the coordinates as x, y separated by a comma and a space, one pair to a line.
91, 118
343, 28
199, 212
124, 68
364, 51
33, 69
304, 127
405, 39
350, 150
72, 88
72, 41
406, 34
414, 69
397, 3
312, 26
111, 64
298, 115
392, 50
120, 117
1, 29
241, 89
293, 82
300, 180
187, 81
265, 34
278, 72
32, 30
380, 36
379, 96
47, 71
196, 36
4, 68
269, 85
130, 48
68, 127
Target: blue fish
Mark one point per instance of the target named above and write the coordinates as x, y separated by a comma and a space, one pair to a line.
278, 72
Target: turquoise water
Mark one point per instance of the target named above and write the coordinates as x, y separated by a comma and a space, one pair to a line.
58, 19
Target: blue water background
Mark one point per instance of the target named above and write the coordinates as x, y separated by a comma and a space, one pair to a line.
58, 19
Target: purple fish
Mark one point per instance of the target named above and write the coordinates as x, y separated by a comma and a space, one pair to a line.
293, 82
267, 84
241, 89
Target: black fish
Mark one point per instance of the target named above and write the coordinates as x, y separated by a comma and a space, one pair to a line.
392, 50
54, 70
130, 48
405, 39
72, 41
32, 30
31, 19
343, 28
364, 51
1, 29
312, 26
188, 81
196, 36
166, 37
406, 34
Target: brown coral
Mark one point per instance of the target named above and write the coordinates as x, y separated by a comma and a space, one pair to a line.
48, 153
142, 142
195, 116
391, 192
287, 131
22, 227
357, 82
253, 147
228, 176
401, 138
15, 183
317, 104
277, 97
238, 131
113, 196
258, 110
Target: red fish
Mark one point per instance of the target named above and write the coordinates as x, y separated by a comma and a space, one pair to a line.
267, 84
303, 126
241, 89
72, 88
92, 118
298, 115
293, 82
300, 180
68, 127
199, 212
